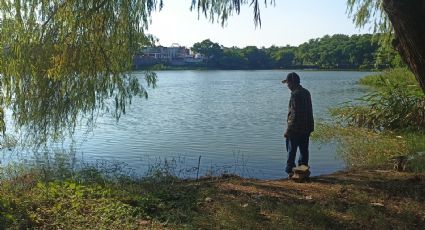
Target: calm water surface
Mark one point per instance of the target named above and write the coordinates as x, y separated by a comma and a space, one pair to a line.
234, 120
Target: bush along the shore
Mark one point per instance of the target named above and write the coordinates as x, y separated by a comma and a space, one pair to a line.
392, 108
384, 124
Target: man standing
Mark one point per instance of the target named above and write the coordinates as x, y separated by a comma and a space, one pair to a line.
300, 122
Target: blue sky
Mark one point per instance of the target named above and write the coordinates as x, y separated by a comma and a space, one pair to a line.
288, 22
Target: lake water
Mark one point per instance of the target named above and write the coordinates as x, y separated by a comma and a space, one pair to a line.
233, 121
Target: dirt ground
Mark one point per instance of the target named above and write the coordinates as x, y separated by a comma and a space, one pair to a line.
371, 199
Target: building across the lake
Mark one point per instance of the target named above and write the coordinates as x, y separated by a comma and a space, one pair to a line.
175, 55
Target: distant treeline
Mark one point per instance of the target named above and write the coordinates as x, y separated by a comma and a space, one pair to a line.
329, 52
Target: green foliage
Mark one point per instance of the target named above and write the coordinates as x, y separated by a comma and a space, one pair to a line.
372, 13
212, 51
387, 56
369, 11
53, 194
63, 60
338, 51
56, 38
221, 10
398, 76
329, 52
397, 105
284, 57
256, 57
61, 205
383, 124
207, 48
232, 59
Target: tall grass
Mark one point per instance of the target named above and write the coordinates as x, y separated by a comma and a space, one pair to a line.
400, 76
397, 104
360, 147
388, 122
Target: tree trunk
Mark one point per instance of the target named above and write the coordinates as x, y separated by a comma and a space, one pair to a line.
407, 18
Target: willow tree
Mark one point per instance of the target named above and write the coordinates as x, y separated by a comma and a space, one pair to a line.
66, 59
401, 18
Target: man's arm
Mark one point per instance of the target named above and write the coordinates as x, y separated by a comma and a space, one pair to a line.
291, 116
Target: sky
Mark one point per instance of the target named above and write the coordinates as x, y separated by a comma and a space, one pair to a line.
289, 22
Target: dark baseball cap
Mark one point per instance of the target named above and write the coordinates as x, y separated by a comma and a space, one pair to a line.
292, 77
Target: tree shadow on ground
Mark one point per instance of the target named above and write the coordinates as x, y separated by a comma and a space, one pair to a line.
347, 201
391, 184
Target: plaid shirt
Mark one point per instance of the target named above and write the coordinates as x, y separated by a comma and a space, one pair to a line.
300, 112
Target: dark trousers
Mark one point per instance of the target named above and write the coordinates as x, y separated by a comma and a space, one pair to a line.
293, 142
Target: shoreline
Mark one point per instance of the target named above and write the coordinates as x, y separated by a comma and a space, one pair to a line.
286, 69
349, 199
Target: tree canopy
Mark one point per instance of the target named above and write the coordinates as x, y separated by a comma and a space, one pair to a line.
212, 51
328, 52
61, 59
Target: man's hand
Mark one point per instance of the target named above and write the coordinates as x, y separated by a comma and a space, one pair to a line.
286, 134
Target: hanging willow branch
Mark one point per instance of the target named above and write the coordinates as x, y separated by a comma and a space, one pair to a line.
63, 59
220, 10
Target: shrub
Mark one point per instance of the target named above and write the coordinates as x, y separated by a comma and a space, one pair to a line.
396, 105
367, 130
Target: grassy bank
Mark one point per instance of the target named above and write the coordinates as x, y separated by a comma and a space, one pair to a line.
89, 199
